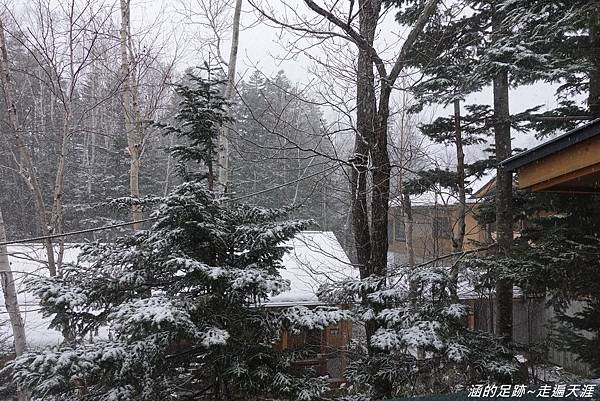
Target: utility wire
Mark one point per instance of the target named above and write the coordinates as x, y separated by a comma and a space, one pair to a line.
128, 223
89, 230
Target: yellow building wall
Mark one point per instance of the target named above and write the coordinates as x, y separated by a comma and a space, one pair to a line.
428, 247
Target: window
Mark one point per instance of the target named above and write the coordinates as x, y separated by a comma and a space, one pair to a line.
441, 227
399, 230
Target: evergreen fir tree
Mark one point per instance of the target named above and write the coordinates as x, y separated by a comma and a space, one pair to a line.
565, 37
557, 256
474, 38
180, 305
200, 117
425, 346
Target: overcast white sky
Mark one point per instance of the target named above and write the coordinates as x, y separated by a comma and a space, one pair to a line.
262, 47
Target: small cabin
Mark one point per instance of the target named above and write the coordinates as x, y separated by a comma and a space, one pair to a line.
315, 258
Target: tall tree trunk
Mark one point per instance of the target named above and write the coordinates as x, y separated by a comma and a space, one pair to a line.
408, 234
365, 118
372, 132
594, 92
26, 168
458, 234
10, 295
360, 207
504, 218
57, 219
224, 133
11, 301
131, 109
381, 186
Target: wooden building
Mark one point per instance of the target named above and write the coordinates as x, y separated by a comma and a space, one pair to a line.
432, 239
326, 351
568, 163
315, 258
435, 217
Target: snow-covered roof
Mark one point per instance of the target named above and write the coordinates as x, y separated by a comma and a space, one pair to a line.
480, 185
315, 258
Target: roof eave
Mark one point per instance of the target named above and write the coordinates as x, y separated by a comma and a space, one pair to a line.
557, 144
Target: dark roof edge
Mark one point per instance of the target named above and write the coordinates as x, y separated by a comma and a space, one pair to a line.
561, 142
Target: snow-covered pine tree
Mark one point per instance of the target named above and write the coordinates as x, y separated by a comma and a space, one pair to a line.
177, 309
425, 345
557, 255
565, 38
202, 113
473, 46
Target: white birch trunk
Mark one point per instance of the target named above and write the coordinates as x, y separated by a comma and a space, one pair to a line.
132, 120
224, 134
27, 170
10, 295
12, 303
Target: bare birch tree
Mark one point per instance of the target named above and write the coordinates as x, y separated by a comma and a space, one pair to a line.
11, 301
229, 91
63, 53
133, 123
10, 295
145, 76
25, 164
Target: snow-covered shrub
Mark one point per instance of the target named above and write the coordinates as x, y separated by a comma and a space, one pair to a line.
7, 390
422, 344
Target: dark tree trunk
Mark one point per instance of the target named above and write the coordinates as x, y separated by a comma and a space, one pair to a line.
365, 113
360, 219
365, 119
504, 226
380, 201
370, 152
408, 233
458, 233
371, 145
594, 93
381, 184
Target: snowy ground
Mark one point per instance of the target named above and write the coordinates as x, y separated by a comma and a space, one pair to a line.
27, 261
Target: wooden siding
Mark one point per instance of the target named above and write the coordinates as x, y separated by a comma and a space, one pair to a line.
330, 347
531, 317
427, 245
567, 170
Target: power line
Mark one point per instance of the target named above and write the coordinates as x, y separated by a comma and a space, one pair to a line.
128, 223
89, 230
